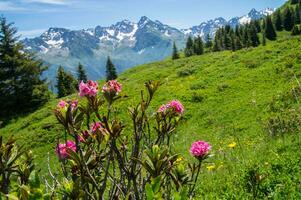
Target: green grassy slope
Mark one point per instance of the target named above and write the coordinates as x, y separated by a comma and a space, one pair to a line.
227, 97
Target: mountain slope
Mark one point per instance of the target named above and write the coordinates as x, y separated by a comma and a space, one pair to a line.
127, 43
229, 98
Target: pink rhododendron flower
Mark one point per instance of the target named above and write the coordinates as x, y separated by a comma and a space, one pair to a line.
200, 149
163, 108
83, 136
88, 89
112, 87
98, 126
177, 106
74, 104
61, 149
62, 104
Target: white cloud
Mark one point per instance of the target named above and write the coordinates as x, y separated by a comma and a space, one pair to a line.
9, 6
31, 33
54, 2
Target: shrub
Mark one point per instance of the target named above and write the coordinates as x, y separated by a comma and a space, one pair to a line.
296, 30
251, 64
100, 161
18, 178
197, 98
185, 72
222, 87
201, 85
285, 122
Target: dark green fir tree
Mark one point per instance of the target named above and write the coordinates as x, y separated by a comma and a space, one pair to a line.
238, 44
253, 35
81, 73
189, 47
21, 87
288, 19
198, 46
175, 53
66, 83
270, 32
294, 2
111, 73
208, 41
297, 15
278, 20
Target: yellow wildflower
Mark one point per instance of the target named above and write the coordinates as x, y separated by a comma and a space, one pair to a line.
232, 145
211, 167
179, 160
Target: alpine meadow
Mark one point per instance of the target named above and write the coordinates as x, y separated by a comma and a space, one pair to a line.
214, 111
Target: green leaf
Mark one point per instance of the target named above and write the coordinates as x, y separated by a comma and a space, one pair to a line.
149, 192
156, 184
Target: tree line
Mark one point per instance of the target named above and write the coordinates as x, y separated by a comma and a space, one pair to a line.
247, 35
67, 84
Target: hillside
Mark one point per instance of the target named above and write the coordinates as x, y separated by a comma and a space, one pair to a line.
229, 98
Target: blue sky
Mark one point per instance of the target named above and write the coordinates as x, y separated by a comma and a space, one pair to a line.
32, 17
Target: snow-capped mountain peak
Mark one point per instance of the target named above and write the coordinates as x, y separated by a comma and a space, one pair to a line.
211, 26
128, 43
143, 21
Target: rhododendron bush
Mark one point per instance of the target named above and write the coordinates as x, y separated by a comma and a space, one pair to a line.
100, 159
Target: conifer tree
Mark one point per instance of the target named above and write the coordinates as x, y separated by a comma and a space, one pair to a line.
256, 23
198, 46
216, 44
237, 31
288, 19
227, 41
175, 54
270, 32
81, 73
294, 2
278, 20
21, 86
297, 15
253, 36
189, 47
66, 83
246, 37
208, 40
233, 45
238, 44
111, 73
60, 82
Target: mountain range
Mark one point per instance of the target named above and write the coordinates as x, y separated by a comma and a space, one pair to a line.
127, 43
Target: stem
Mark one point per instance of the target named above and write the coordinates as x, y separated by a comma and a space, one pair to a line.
195, 180
104, 184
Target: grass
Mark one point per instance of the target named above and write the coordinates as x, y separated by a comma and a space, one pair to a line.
227, 97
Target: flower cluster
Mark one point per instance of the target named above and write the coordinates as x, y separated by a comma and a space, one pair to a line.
83, 136
88, 89
112, 87
64, 105
175, 106
61, 149
200, 149
98, 127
